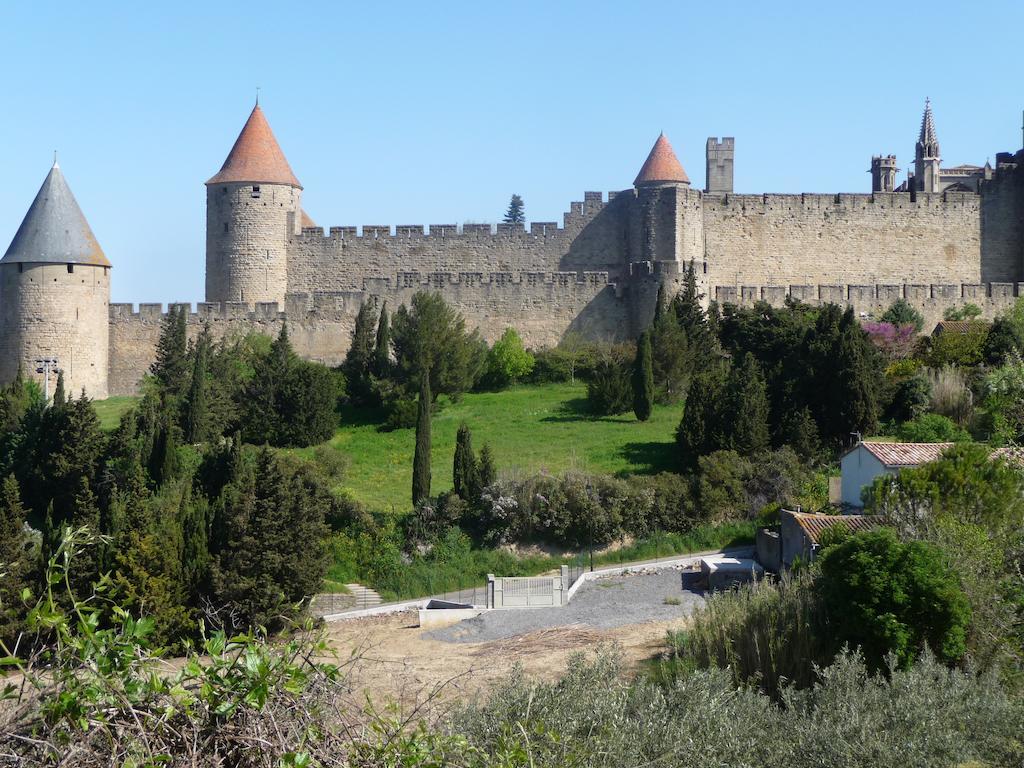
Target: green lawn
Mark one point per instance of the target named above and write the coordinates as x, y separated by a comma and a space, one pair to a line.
111, 410
530, 429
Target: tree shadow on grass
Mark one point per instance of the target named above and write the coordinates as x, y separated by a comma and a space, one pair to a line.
649, 458
577, 409
362, 416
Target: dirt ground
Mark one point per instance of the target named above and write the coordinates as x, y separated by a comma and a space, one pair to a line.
400, 664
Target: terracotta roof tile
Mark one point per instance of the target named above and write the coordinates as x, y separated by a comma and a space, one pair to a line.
256, 156
906, 454
661, 165
815, 525
1011, 453
307, 221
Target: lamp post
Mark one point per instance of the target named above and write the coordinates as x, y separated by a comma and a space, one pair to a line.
44, 365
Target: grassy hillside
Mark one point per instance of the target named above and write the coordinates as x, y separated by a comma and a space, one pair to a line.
111, 410
529, 429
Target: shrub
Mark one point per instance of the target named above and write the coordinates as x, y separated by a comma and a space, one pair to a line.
508, 361
959, 347
950, 394
609, 391
902, 312
884, 596
932, 428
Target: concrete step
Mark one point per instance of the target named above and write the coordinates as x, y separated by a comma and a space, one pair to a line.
364, 596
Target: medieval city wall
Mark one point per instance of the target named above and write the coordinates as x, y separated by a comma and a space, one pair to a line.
881, 238
871, 301
591, 238
542, 307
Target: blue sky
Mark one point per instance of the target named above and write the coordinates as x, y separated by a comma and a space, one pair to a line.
420, 113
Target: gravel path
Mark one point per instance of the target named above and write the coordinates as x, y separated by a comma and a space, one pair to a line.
611, 601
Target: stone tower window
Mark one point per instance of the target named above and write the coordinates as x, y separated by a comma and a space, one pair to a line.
225, 226
71, 269
256, 191
21, 267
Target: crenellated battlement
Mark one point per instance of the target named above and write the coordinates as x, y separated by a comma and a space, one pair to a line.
578, 213
844, 201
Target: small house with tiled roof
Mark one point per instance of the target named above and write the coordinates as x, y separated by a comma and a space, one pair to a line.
867, 460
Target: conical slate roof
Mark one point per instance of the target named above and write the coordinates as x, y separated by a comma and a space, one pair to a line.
54, 230
928, 125
256, 157
661, 165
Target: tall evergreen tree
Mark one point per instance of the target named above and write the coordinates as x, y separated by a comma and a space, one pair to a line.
86, 566
361, 356
693, 319
746, 414
196, 416
700, 430
421, 458
671, 360
382, 350
661, 304
643, 379
465, 472
59, 395
515, 213
171, 366
486, 468
15, 562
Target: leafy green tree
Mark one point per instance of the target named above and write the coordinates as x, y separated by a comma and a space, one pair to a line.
1005, 338
465, 470
15, 561
487, 469
171, 367
508, 361
746, 410
643, 379
932, 428
421, 457
515, 213
963, 347
968, 311
902, 312
196, 421
885, 596
382, 350
361, 356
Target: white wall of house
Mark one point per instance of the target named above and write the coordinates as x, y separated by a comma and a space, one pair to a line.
859, 468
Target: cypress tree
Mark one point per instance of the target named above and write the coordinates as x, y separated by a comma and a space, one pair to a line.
465, 472
361, 356
692, 317
59, 395
421, 459
85, 568
700, 430
643, 379
659, 305
382, 350
14, 559
196, 417
747, 409
486, 469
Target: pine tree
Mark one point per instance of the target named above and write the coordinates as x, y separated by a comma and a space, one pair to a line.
15, 563
643, 379
700, 430
361, 356
671, 360
465, 471
171, 367
196, 416
85, 567
486, 468
515, 213
421, 459
59, 395
746, 413
693, 319
382, 350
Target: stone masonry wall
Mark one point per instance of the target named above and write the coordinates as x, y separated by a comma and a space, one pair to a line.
592, 238
887, 238
247, 241
47, 311
542, 307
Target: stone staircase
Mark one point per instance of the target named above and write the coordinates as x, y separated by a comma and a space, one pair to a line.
364, 597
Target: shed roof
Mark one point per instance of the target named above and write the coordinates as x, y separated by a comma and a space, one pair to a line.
55, 230
661, 165
904, 454
256, 157
814, 526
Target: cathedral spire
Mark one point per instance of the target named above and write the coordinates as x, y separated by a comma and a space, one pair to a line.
927, 135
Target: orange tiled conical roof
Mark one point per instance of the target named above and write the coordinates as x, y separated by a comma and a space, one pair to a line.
661, 165
256, 156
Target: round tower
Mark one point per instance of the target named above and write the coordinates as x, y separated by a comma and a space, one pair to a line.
55, 295
253, 207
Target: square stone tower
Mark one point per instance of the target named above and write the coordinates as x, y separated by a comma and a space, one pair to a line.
720, 155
